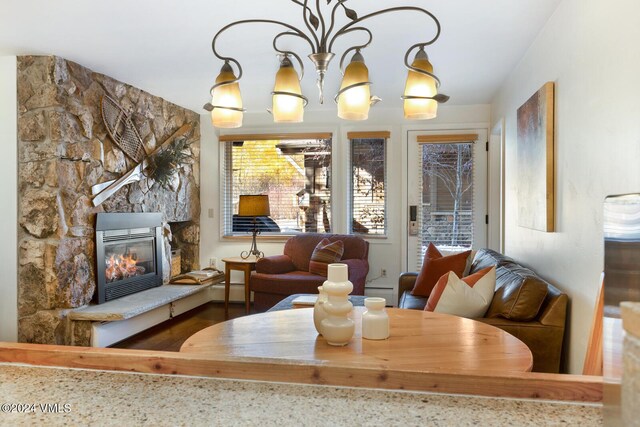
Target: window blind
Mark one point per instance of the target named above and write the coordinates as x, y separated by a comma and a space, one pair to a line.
368, 186
447, 197
295, 174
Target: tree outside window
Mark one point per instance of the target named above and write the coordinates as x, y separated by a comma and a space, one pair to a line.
368, 186
447, 214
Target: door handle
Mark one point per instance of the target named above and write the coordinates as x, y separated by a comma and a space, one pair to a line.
413, 220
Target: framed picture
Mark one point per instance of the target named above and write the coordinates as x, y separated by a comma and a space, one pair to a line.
536, 161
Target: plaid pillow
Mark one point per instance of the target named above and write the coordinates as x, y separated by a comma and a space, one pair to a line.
325, 253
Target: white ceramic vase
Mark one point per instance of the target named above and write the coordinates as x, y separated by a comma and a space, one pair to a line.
337, 328
318, 309
375, 320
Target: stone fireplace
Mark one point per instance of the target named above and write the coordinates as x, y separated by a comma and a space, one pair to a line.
63, 150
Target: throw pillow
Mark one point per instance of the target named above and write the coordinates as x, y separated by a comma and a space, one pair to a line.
467, 268
325, 253
467, 297
434, 266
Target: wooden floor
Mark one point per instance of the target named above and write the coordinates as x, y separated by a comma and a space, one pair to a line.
169, 335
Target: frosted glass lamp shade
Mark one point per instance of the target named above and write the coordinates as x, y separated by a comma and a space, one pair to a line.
254, 205
421, 85
354, 103
287, 108
227, 95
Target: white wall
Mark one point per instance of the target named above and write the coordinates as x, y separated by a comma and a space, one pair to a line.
589, 49
9, 197
389, 253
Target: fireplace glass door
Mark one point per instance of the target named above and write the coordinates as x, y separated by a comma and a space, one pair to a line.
132, 258
129, 260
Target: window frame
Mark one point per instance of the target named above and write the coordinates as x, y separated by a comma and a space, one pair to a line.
223, 183
351, 136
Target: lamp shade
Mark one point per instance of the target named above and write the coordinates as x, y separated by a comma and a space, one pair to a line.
420, 85
224, 98
254, 205
354, 102
287, 107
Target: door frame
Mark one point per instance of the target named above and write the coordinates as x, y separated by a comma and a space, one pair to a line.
405, 178
496, 186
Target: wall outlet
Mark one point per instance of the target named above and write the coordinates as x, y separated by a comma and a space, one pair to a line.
383, 272
210, 212
213, 262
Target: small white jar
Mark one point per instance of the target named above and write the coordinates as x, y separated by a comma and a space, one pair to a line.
375, 321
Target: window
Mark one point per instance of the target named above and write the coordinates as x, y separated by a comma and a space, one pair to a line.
447, 195
294, 173
368, 185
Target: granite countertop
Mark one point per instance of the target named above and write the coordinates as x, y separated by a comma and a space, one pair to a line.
114, 398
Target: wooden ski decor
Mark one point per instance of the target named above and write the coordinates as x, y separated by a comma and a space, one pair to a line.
121, 129
105, 190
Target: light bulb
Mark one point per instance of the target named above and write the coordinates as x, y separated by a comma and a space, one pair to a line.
420, 85
224, 96
354, 103
287, 108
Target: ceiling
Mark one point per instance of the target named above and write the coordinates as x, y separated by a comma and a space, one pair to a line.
164, 46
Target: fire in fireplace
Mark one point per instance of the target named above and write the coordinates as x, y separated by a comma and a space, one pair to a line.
119, 267
129, 253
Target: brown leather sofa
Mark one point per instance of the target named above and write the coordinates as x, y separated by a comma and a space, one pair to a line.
524, 305
277, 277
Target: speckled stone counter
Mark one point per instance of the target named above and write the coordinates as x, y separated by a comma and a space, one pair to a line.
631, 378
123, 399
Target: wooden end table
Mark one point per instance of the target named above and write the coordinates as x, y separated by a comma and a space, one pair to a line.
239, 264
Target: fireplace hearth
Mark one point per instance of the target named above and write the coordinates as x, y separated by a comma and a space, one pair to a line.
128, 254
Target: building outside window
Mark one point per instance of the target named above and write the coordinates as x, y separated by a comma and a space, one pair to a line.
295, 174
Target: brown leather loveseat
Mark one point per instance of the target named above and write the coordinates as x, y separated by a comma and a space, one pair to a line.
277, 277
526, 306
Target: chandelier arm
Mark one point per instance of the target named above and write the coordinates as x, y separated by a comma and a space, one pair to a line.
418, 70
308, 24
343, 31
343, 90
288, 52
322, 23
298, 32
305, 100
333, 23
346, 52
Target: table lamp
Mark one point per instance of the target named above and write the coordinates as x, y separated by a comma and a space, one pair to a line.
253, 206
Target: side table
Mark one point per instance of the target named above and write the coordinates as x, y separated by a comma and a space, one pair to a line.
240, 264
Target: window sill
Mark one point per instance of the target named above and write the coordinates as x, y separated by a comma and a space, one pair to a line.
248, 237
284, 237
371, 236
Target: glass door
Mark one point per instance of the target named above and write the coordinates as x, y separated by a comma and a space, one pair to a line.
447, 192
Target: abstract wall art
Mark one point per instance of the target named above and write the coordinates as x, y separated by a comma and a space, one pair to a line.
535, 146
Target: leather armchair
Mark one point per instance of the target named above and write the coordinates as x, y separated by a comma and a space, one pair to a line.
543, 333
277, 277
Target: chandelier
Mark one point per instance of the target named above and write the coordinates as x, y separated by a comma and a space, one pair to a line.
320, 31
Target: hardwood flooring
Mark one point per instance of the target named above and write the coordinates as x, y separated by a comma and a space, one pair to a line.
170, 335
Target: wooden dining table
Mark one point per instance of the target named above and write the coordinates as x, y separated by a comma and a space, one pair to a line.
419, 340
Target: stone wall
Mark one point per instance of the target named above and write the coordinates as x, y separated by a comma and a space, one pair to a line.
64, 149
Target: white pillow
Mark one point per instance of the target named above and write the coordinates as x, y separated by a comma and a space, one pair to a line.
468, 297
467, 267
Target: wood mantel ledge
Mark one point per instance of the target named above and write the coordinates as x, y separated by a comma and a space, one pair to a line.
135, 304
